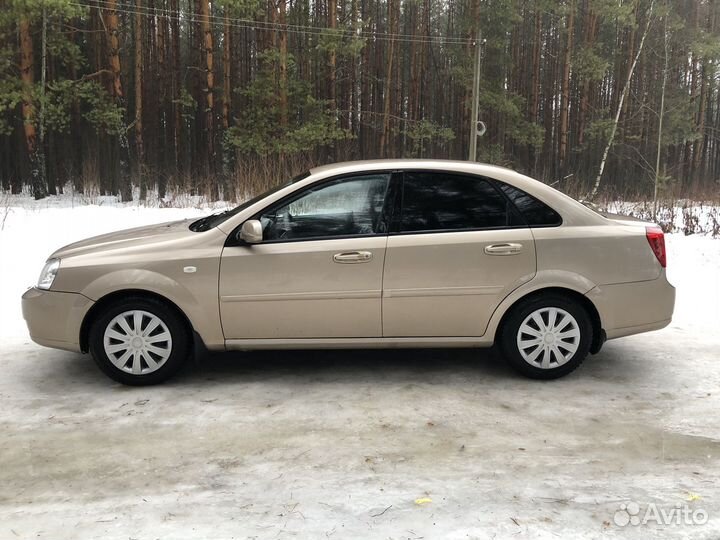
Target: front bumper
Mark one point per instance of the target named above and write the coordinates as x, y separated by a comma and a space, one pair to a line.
632, 308
54, 318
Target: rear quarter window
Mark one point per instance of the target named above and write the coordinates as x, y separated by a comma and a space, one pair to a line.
536, 213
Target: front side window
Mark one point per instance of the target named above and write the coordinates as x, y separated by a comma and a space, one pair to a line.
345, 207
441, 201
208, 222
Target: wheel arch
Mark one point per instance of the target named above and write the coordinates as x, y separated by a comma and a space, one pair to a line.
598, 337
104, 302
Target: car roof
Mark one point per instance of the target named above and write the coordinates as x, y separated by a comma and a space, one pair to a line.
432, 164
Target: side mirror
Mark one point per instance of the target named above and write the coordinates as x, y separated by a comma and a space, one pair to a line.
251, 231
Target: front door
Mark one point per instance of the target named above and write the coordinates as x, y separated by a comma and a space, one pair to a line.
318, 271
460, 248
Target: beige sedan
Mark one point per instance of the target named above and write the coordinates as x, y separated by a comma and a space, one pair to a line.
364, 254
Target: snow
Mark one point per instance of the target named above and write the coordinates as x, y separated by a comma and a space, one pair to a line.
693, 267
680, 216
339, 444
32, 230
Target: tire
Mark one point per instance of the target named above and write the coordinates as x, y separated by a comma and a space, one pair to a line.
567, 341
149, 357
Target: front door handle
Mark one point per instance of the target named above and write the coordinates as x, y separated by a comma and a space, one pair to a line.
348, 257
503, 249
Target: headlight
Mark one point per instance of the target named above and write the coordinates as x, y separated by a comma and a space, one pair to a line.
47, 276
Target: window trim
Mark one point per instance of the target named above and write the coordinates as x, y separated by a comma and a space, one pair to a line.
490, 181
233, 238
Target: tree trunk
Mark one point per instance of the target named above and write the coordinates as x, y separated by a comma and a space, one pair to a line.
415, 58
365, 73
700, 142
688, 161
227, 85
590, 33
387, 100
565, 90
27, 79
388, 83
661, 115
535, 80
113, 44
114, 145
207, 37
549, 92
176, 92
283, 67
139, 100
50, 181
332, 65
700, 128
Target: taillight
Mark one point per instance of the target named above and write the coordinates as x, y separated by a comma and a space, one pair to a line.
656, 239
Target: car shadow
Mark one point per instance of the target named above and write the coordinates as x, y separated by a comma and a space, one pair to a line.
344, 364
62, 369
53, 368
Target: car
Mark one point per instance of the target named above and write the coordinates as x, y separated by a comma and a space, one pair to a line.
368, 254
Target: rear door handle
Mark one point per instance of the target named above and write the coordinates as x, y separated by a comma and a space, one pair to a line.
349, 257
503, 249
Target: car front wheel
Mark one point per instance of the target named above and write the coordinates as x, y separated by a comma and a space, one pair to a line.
547, 336
139, 341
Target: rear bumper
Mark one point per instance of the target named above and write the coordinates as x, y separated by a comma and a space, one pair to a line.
632, 308
54, 318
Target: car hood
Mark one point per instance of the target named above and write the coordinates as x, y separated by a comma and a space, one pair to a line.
128, 238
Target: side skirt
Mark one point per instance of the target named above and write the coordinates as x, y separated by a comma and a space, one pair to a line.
358, 343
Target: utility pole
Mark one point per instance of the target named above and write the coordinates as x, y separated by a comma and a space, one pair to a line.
475, 97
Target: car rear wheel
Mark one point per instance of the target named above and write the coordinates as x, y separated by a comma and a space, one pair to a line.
547, 336
139, 341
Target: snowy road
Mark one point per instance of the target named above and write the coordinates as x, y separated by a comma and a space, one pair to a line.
341, 444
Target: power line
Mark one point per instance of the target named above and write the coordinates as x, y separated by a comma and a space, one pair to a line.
278, 26
264, 25
268, 26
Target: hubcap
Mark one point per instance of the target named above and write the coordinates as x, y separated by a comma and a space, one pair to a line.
548, 338
137, 342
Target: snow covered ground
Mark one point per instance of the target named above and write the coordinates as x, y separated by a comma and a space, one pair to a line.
681, 216
32, 233
340, 444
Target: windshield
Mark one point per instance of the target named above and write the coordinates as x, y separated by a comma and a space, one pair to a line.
208, 222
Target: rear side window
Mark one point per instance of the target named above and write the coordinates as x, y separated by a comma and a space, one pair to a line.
440, 201
535, 213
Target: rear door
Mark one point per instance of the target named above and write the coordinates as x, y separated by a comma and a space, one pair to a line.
457, 249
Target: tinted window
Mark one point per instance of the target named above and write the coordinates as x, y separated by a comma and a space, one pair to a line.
440, 201
345, 207
536, 213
